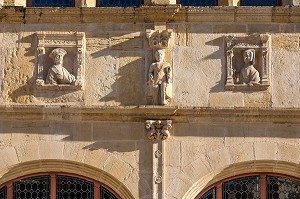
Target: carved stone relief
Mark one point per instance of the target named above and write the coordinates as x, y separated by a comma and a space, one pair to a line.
158, 129
247, 62
60, 60
160, 74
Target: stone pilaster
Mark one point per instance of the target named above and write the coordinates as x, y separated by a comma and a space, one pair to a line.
13, 3
85, 3
159, 2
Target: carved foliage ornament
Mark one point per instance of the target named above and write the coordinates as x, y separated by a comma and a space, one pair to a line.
159, 39
247, 62
73, 46
158, 129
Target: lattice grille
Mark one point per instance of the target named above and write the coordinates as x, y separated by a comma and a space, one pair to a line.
258, 2
119, 3
197, 2
106, 194
282, 188
32, 188
242, 188
52, 3
74, 188
210, 194
3, 193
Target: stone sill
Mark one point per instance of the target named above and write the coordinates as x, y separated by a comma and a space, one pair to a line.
170, 13
202, 115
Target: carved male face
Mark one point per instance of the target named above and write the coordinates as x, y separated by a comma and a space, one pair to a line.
59, 58
248, 56
160, 55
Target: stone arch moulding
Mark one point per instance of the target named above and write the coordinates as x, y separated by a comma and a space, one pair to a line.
68, 167
259, 166
252, 78
73, 43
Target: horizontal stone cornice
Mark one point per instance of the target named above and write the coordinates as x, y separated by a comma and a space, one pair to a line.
170, 13
142, 113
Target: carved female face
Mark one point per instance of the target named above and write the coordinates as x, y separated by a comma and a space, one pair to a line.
248, 56
159, 55
59, 59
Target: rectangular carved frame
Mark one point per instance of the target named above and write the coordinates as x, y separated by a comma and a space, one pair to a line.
260, 43
61, 40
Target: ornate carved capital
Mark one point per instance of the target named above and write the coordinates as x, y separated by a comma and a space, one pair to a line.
158, 129
159, 39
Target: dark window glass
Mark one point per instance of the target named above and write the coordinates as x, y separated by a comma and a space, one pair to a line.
32, 188
3, 193
52, 3
119, 3
210, 194
74, 188
197, 2
241, 188
282, 188
258, 2
106, 194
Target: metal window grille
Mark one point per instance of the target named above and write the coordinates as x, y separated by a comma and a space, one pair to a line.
106, 194
210, 194
119, 3
52, 3
259, 2
32, 188
197, 2
3, 193
242, 188
74, 188
282, 188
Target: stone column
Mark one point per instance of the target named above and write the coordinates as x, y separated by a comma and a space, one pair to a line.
85, 3
158, 132
228, 2
159, 2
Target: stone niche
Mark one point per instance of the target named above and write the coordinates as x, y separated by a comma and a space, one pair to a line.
73, 44
235, 47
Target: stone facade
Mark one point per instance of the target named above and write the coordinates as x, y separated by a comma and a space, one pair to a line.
105, 128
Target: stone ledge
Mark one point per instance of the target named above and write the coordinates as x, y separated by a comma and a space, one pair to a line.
170, 13
142, 113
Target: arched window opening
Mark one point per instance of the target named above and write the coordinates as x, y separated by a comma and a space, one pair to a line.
53, 186
198, 2
210, 194
260, 3
119, 3
50, 3
3, 193
35, 187
260, 186
247, 187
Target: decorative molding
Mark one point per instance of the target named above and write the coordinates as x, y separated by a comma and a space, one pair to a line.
235, 48
158, 129
70, 42
159, 39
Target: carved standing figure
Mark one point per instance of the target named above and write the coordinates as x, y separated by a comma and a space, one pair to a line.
248, 74
57, 74
160, 74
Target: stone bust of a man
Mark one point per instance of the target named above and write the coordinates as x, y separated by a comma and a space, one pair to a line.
248, 73
57, 74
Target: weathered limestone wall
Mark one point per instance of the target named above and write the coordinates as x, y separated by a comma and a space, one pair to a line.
102, 125
118, 58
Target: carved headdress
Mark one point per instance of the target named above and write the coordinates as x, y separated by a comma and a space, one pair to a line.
252, 54
56, 52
